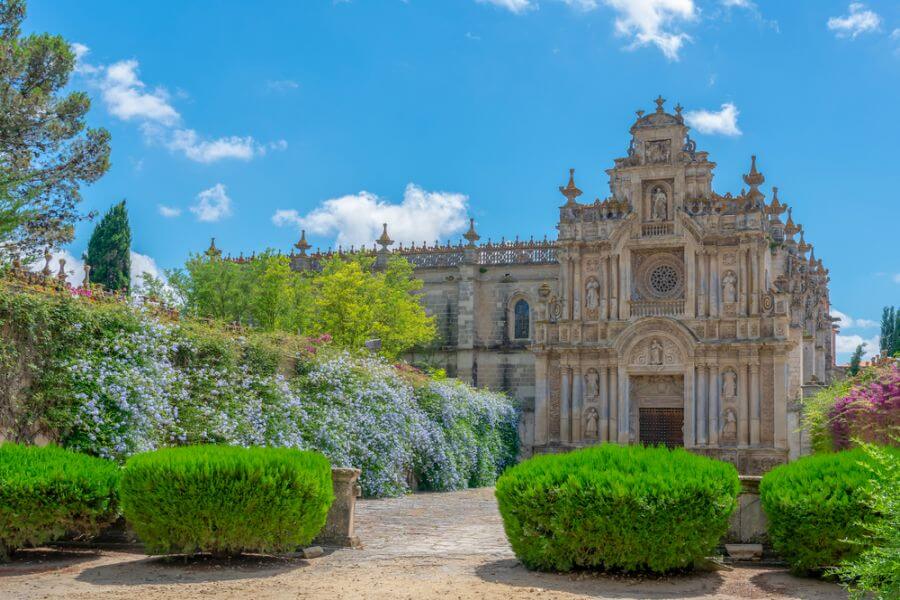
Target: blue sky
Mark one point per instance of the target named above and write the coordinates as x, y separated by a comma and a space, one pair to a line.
245, 121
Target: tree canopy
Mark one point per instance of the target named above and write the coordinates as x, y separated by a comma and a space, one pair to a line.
46, 150
109, 249
347, 299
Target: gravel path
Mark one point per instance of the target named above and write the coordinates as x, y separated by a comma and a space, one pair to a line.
449, 546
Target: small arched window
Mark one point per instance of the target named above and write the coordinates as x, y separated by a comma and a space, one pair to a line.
521, 327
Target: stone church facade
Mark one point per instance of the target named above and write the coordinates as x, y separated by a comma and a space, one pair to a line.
664, 313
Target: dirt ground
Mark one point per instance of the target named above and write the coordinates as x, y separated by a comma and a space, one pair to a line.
449, 546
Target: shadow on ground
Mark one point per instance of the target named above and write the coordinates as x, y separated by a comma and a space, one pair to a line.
174, 570
43, 560
782, 582
589, 583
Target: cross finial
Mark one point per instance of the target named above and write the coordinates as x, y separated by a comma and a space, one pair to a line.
659, 103
471, 235
678, 109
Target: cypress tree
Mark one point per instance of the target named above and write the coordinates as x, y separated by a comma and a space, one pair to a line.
109, 250
856, 358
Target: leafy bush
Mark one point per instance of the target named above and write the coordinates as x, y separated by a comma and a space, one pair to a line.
869, 412
613, 507
865, 406
47, 491
114, 381
816, 505
226, 500
877, 568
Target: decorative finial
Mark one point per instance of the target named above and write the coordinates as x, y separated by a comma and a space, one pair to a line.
570, 191
86, 284
471, 235
212, 251
61, 275
659, 103
302, 245
639, 112
47, 257
384, 241
678, 109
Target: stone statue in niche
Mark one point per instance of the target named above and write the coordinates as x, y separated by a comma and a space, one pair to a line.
729, 384
729, 427
659, 205
592, 294
729, 287
591, 420
656, 352
592, 383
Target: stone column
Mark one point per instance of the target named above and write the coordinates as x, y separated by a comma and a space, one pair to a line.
622, 391
743, 404
541, 425
577, 402
604, 403
613, 404
614, 271
712, 410
339, 523
565, 403
690, 411
577, 290
701, 299
702, 395
754, 402
604, 297
715, 288
780, 379
754, 281
625, 283
690, 289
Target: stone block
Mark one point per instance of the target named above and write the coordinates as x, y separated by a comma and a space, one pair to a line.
744, 551
338, 530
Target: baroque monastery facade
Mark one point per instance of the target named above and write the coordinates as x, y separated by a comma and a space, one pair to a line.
666, 313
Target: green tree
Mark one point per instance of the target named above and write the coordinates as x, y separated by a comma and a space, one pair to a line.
46, 150
346, 299
890, 331
856, 358
109, 249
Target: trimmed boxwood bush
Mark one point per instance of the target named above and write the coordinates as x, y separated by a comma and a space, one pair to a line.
628, 508
226, 500
46, 492
815, 505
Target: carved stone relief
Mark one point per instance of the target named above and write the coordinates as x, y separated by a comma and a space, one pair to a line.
554, 375
592, 383
658, 151
656, 352
591, 424
728, 432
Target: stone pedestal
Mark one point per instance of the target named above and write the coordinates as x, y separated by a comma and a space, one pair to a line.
748, 522
338, 530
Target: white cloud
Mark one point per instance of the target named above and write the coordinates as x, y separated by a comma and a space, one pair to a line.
282, 85
212, 204
896, 278
738, 3
126, 97
847, 322
723, 122
140, 264
514, 6
860, 20
845, 344
651, 22
356, 219
168, 211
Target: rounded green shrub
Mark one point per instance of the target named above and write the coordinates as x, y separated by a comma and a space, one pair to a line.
628, 508
226, 499
816, 505
46, 492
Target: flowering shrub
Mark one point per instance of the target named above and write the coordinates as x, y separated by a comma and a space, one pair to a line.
869, 412
115, 381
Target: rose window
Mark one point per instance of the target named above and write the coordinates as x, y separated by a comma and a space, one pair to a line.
663, 280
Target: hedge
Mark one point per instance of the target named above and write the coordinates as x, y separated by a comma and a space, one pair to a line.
226, 500
816, 505
628, 508
46, 492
